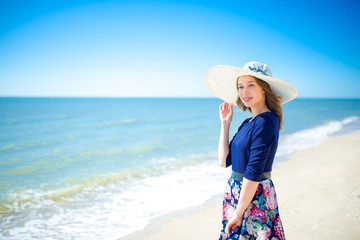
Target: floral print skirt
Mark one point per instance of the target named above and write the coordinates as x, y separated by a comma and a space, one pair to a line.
261, 219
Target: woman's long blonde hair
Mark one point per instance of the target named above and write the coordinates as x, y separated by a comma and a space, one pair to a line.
272, 101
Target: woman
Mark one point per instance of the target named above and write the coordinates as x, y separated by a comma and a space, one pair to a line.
250, 209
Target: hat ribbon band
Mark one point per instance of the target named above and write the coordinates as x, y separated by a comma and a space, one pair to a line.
257, 70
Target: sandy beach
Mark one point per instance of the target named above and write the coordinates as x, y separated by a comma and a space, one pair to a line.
318, 193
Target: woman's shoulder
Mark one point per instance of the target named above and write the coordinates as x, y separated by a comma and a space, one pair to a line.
266, 119
265, 116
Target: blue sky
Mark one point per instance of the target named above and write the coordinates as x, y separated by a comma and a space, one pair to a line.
165, 48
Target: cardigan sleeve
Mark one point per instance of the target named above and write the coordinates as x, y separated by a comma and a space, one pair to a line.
228, 158
262, 139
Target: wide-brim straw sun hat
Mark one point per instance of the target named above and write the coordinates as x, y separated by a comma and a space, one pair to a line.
221, 80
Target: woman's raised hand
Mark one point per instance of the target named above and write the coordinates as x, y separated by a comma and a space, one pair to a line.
226, 113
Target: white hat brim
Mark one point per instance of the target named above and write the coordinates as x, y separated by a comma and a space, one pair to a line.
221, 81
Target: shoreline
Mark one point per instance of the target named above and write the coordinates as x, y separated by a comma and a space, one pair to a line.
310, 208
174, 217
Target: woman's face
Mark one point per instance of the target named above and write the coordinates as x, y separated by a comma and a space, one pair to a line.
250, 93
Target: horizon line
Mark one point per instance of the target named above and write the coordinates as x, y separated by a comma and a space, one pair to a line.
181, 97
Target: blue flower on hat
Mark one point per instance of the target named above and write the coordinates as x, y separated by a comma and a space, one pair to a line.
261, 68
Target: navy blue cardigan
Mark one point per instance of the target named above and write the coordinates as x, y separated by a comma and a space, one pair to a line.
252, 149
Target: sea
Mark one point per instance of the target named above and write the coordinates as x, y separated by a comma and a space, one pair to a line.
103, 168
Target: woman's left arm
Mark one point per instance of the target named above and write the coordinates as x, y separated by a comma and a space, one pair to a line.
247, 193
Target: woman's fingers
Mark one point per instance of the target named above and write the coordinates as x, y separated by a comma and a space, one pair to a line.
228, 230
224, 106
221, 107
226, 110
232, 224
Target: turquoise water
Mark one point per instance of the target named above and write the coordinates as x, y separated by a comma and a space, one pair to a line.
98, 163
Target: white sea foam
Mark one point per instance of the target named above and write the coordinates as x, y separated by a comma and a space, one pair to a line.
310, 137
117, 209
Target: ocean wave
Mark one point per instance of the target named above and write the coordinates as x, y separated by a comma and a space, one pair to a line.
103, 202
11, 147
20, 200
114, 123
313, 136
